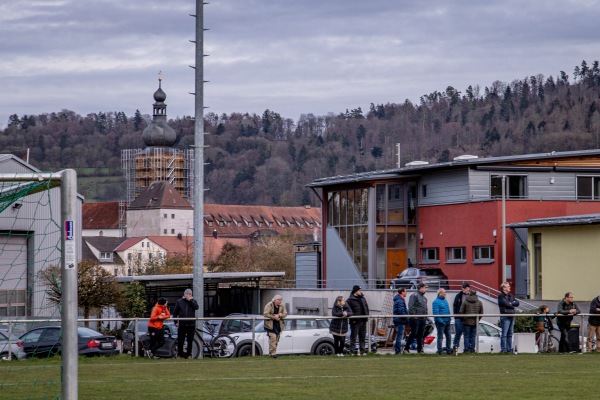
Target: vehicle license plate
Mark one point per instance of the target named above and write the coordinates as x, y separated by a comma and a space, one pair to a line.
107, 345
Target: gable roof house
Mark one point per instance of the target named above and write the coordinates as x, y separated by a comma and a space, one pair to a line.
160, 211
102, 249
139, 251
104, 219
450, 215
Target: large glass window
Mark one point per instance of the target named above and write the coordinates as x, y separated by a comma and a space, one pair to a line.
516, 187
347, 213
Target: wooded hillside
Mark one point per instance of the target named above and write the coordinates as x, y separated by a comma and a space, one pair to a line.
267, 159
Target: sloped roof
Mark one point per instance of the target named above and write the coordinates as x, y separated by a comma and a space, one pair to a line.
100, 215
104, 243
300, 217
159, 195
517, 162
583, 219
129, 242
171, 244
174, 245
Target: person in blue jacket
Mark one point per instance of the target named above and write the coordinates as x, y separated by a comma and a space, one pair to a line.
400, 322
440, 306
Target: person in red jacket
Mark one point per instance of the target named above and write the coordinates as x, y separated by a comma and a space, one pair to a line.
160, 313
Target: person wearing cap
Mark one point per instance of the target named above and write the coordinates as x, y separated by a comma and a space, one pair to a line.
358, 326
417, 305
275, 313
507, 305
458, 323
159, 314
185, 308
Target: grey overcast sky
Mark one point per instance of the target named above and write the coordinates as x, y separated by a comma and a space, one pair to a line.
293, 57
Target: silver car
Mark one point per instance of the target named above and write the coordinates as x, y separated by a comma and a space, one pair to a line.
11, 349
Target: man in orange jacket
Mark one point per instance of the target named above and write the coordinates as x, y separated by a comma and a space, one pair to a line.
160, 313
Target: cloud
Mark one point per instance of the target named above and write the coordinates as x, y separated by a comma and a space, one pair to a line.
292, 57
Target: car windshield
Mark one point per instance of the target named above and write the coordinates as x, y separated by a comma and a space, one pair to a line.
432, 271
87, 332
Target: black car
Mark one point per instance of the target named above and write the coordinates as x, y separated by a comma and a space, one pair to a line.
47, 341
412, 276
128, 337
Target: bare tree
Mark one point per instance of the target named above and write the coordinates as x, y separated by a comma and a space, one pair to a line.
96, 287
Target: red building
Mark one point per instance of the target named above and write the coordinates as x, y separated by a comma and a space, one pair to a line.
449, 215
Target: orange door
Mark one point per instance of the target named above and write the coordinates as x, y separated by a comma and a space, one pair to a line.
396, 262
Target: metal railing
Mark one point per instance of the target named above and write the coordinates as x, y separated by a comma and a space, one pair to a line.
582, 317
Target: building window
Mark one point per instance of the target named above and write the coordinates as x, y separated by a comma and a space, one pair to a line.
139, 256
165, 231
423, 190
149, 256
430, 255
12, 303
172, 216
172, 231
456, 254
588, 187
516, 187
142, 244
129, 256
105, 256
483, 254
165, 216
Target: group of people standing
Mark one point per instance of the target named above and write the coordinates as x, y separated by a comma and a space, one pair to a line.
466, 302
185, 307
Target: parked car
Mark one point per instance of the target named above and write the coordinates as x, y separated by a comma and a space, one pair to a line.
412, 276
300, 336
14, 349
488, 338
128, 336
47, 341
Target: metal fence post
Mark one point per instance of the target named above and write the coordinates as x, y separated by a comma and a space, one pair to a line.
135, 338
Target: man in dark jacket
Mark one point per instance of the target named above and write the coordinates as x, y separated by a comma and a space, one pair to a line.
417, 305
594, 324
458, 323
185, 308
565, 312
400, 322
471, 306
507, 304
358, 326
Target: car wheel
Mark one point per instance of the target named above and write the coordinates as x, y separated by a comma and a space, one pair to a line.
7, 357
245, 350
324, 349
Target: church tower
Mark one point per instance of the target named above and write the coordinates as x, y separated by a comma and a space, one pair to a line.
159, 160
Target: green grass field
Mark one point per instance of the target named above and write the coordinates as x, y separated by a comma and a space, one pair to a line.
481, 376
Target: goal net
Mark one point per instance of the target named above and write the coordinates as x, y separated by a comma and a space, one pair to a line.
31, 240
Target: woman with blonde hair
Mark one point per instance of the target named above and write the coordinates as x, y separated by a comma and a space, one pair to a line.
339, 326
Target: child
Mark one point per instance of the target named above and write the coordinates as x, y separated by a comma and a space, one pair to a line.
543, 320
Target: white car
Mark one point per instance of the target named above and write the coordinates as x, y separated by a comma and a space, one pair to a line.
300, 336
488, 339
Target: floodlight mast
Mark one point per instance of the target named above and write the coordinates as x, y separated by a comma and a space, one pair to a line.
198, 190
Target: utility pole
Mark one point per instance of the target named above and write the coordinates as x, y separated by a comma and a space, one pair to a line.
503, 228
399, 164
198, 275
